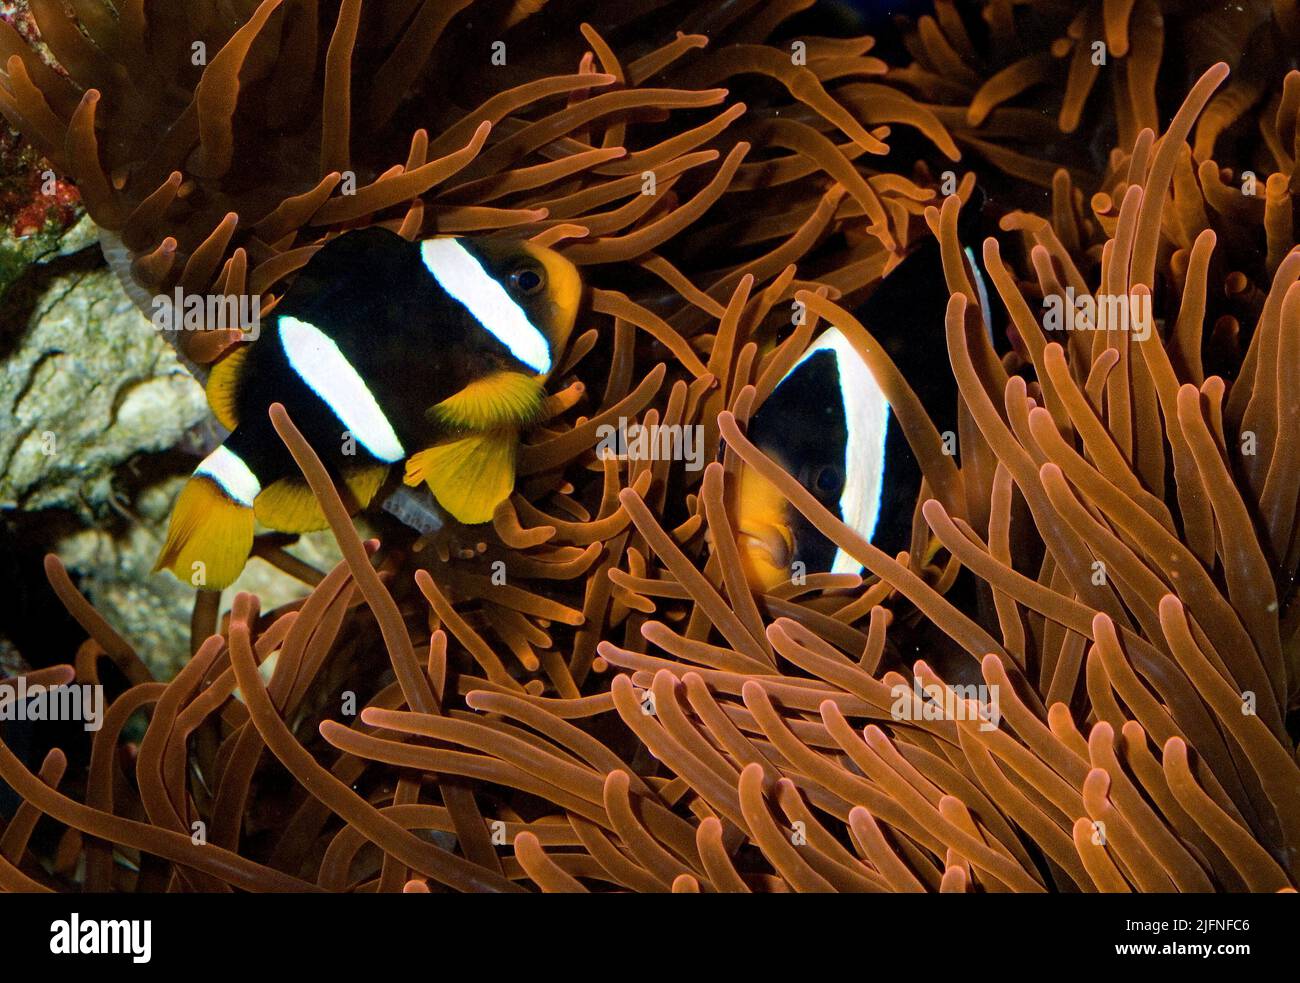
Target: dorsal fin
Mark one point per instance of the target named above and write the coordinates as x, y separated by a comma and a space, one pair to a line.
222, 385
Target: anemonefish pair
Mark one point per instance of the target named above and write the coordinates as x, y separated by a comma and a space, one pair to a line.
431, 355
829, 425
435, 354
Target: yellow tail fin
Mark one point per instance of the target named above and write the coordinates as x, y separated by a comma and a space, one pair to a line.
209, 538
469, 477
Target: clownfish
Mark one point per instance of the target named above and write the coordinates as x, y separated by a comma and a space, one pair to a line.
828, 424
431, 355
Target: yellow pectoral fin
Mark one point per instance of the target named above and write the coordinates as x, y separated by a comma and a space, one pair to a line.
288, 505
221, 386
502, 399
209, 537
469, 477
764, 536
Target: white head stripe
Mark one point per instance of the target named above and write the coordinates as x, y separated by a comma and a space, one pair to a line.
228, 470
317, 359
866, 416
463, 276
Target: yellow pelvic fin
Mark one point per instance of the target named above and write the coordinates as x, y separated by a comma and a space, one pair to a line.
364, 483
288, 505
221, 386
468, 477
502, 399
209, 537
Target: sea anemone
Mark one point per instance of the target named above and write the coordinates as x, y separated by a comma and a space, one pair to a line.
591, 697
186, 134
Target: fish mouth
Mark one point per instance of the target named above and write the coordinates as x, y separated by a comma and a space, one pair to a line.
768, 542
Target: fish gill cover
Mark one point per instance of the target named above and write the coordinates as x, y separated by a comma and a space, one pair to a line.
1082, 674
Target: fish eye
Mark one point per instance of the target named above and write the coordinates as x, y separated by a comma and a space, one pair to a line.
827, 481
528, 281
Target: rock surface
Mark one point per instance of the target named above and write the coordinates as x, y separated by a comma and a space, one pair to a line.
93, 406
87, 385
113, 563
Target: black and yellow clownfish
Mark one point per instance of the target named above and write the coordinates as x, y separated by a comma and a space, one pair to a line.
829, 425
433, 355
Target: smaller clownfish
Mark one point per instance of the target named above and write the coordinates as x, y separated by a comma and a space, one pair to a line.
433, 355
828, 424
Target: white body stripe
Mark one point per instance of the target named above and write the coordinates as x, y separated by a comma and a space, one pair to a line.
463, 276
317, 359
866, 417
228, 470
982, 290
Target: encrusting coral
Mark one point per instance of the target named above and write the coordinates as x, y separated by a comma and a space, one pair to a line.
623, 712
